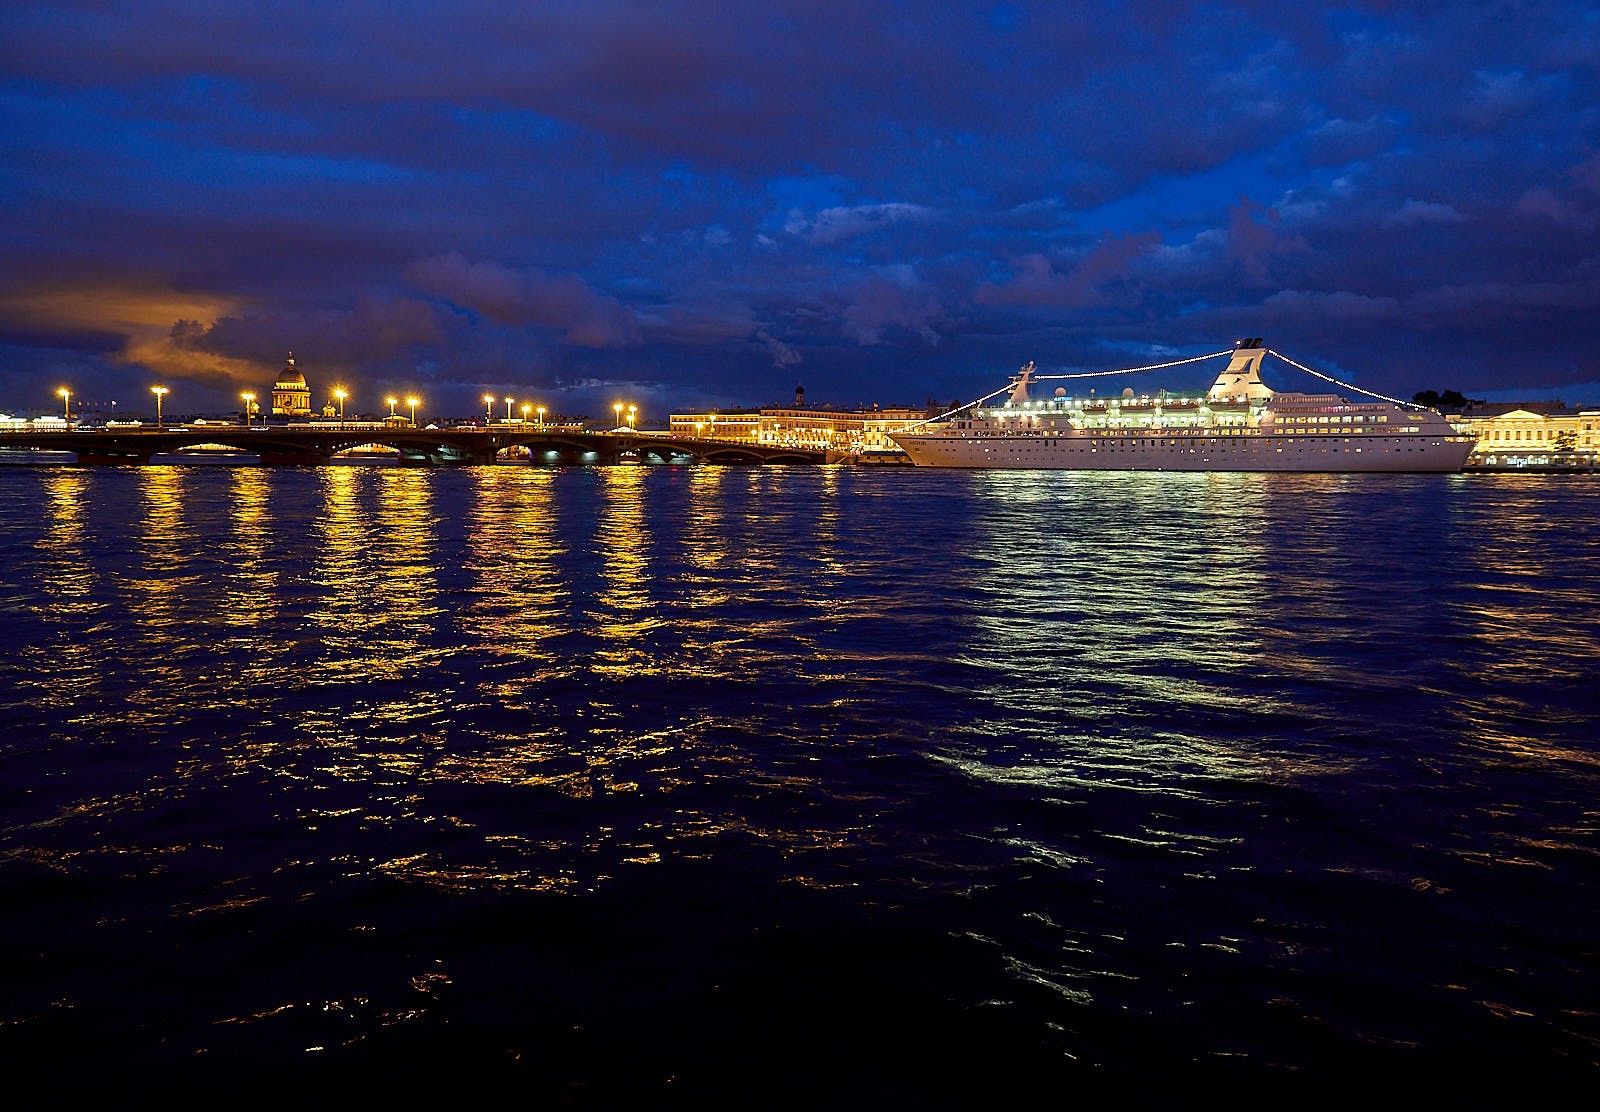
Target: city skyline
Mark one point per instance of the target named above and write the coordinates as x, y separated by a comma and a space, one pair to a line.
690, 209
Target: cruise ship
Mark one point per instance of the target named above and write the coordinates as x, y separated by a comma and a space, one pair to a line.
1240, 424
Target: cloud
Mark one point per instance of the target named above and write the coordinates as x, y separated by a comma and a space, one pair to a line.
1036, 282
1543, 204
889, 302
782, 354
832, 225
1499, 97
1415, 212
1336, 305
527, 296
372, 330
1254, 241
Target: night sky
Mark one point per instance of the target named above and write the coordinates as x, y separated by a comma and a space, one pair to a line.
685, 203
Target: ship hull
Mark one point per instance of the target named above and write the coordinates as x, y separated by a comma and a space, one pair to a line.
1190, 453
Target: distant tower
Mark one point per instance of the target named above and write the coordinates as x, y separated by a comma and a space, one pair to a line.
799, 395
291, 397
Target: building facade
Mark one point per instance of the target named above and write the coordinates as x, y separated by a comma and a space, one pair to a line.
839, 429
801, 425
716, 424
1533, 434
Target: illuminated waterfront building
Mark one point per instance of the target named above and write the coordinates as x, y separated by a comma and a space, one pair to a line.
1531, 432
718, 424
801, 425
291, 396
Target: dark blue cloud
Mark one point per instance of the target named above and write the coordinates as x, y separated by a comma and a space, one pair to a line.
694, 206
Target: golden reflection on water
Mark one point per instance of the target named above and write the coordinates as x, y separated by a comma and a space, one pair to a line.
705, 534
339, 539
515, 543
406, 577
252, 591
64, 672
1532, 614
67, 579
625, 614
156, 590
374, 549
161, 580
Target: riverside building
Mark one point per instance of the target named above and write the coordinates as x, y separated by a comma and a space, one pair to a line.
802, 425
1532, 434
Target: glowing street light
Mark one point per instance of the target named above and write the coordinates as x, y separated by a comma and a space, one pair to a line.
617, 407
508, 409
249, 407
541, 416
66, 403
340, 394
392, 403
698, 425
488, 408
632, 409
412, 402
526, 409
160, 392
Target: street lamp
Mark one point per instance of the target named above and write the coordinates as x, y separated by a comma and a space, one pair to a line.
526, 409
632, 409
698, 425
160, 392
392, 403
508, 410
488, 408
341, 395
541, 416
66, 403
249, 407
412, 402
618, 408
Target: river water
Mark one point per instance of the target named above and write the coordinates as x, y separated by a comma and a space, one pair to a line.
796, 787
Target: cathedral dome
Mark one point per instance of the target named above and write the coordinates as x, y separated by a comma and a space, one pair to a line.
290, 375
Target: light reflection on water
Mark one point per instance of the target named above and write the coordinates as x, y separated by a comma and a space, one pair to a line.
1132, 741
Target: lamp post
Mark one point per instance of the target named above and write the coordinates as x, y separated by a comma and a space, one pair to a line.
341, 395
66, 403
632, 409
541, 416
249, 407
526, 409
508, 409
160, 392
392, 403
488, 408
698, 425
412, 402
617, 407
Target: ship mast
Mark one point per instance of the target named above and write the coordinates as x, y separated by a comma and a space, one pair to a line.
1019, 391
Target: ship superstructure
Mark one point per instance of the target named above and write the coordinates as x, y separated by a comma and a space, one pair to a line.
1239, 424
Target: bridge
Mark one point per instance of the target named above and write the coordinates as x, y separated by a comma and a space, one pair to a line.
463, 445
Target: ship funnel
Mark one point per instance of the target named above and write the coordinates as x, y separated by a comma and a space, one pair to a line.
1243, 375
1019, 391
